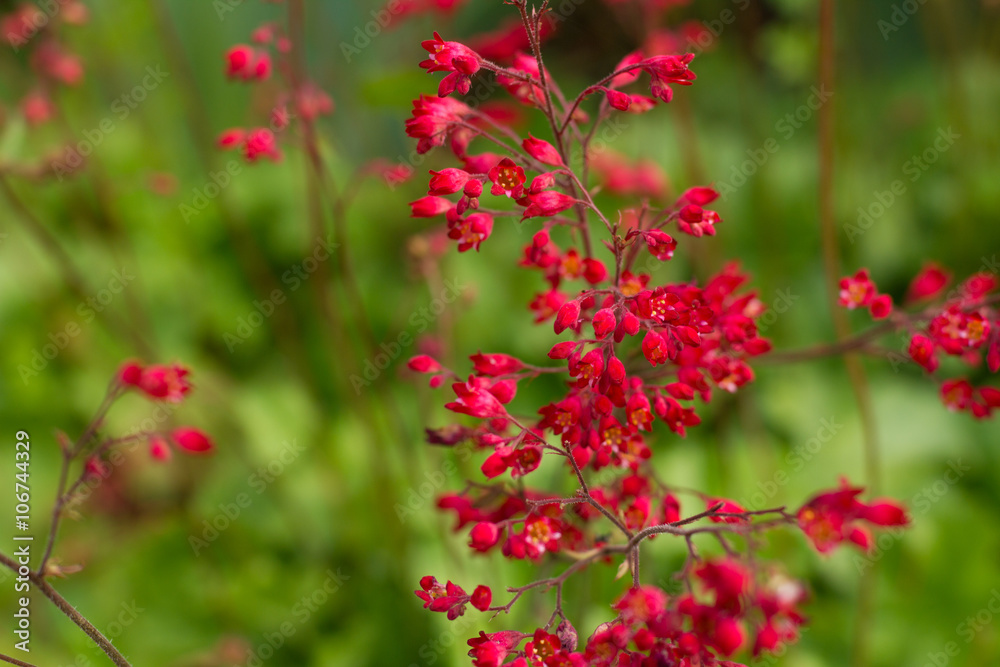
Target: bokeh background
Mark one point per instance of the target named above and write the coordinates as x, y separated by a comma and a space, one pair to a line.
340, 484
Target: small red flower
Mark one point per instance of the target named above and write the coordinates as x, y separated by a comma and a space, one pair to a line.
857, 291
429, 207
546, 203
191, 440
159, 449
507, 178
542, 151
568, 316
260, 142
665, 70
484, 536
166, 383
424, 364
231, 138
494, 365
247, 63
130, 374
482, 597
447, 181
458, 59
922, 351
927, 284
470, 231
696, 221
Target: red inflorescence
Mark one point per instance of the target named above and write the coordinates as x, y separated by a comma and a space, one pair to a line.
639, 357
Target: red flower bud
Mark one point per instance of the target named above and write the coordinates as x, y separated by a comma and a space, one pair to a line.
604, 322
191, 440
567, 316
423, 364
484, 535
542, 151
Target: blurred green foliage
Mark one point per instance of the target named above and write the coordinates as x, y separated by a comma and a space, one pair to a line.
331, 507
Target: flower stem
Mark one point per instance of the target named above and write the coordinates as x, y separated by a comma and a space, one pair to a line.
70, 611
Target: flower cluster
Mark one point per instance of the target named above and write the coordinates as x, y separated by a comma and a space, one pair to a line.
638, 355
37, 35
170, 384
295, 98
963, 324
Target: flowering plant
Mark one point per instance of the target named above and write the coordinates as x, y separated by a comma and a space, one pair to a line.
636, 355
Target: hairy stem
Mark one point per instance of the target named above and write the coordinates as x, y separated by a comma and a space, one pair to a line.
70, 611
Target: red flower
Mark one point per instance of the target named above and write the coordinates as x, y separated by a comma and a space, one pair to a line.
696, 221
494, 365
665, 70
260, 142
458, 59
922, 351
130, 374
567, 316
470, 231
191, 440
640, 605
429, 207
424, 364
166, 383
831, 517
481, 598
37, 108
507, 178
246, 63
433, 120
857, 291
660, 244
484, 535
956, 395
447, 181
927, 284
542, 151
604, 322
231, 138
728, 507
159, 449
654, 348
881, 307
491, 650
475, 400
